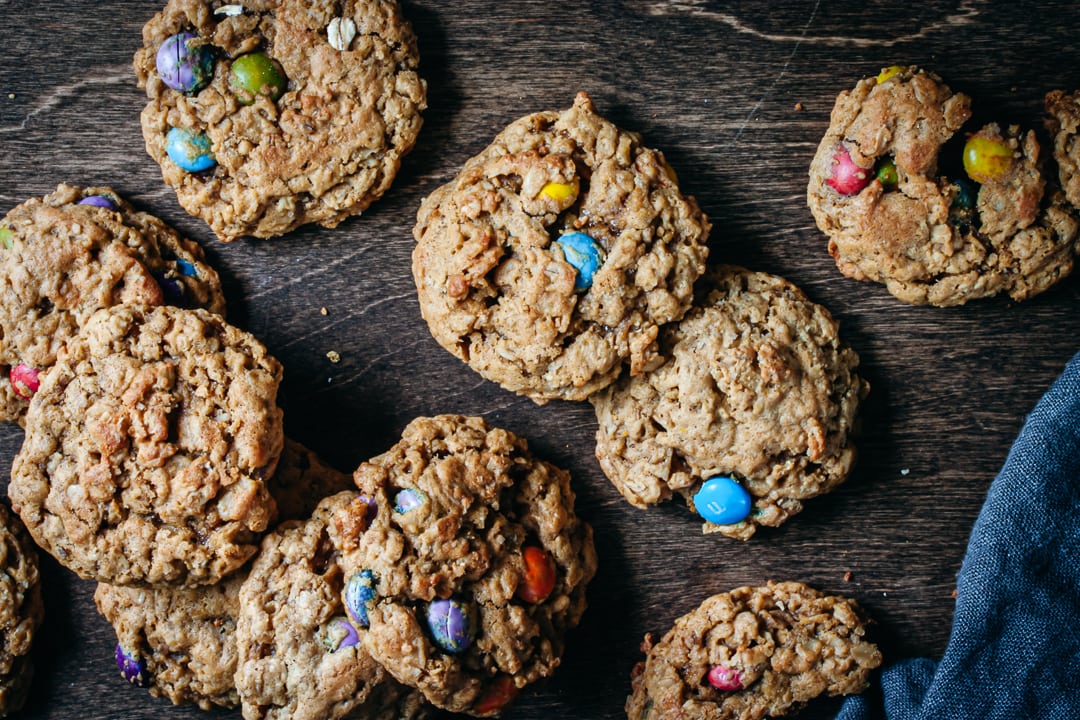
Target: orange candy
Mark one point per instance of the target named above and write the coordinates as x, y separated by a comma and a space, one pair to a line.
501, 692
539, 578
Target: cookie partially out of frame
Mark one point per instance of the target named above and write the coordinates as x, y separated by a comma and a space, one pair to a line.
751, 653
757, 387
312, 130
70, 253
21, 610
895, 217
1063, 123
147, 446
471, 566
503, 288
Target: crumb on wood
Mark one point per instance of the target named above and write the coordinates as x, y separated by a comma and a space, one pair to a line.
323, 311
847, 576
799, 107
333, 356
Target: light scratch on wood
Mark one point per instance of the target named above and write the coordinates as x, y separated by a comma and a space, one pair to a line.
340, 380
110, 75
349, 316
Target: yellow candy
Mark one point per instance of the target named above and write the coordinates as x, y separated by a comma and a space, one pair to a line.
559, 192
891, 71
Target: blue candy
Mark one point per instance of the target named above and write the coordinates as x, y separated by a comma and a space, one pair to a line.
722, 501
408, 499
183, 66
584, 254
451, 625
358, 595
190, 151
186, 269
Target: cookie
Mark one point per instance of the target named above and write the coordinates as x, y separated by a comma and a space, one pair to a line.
146, 447
300, 657
753, 653
21, 611
1063, 123
302, 480
75, 251
268, 115
471, 564
556, 254
935, 239
750, 415
178, 642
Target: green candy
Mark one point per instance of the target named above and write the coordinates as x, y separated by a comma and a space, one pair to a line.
256, 74
6, 234
886, 174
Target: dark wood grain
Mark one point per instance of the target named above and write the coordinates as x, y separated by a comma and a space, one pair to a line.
717, 87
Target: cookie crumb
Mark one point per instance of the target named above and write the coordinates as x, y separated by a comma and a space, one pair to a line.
847, 576
333, 356
954, 593
905, 471
11, 96
323, 311
799, 107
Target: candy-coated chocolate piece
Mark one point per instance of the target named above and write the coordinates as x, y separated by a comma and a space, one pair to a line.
185, 64
887, 175
451, 625
6, 235
584, 254
24, 380
191, 151
846, 177
498, 695
559, 192
986, 159
132, 667
965, 195
408, 499
539, 579
186, 269
889, 72
724, 678
340, 633
256, 74
100, 201
171, 288
358, 596
722, 501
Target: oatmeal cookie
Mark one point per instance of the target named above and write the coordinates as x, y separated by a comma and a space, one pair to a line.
75, 251
1063, 124
752, 409
302, 480
876, 191
269, 114
146, 447
472, 565
753, 653
556, 254
21, 611
300, 656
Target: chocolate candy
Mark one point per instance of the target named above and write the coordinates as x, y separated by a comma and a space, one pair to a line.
191, 151
186, 269
132, 667
722, 501
24, 380
887, 175
724, 678
171, 288
98, 201
340, 634
584, 254
358, 595
889, 72
256, 74
539, 579
451, 625
986, 159
498, 695
846, 177
559, 192
6, 235
184, 64
408, 499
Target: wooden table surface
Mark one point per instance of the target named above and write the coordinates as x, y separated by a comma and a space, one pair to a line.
737, 95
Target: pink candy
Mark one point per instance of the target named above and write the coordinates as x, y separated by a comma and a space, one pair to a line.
724, 678
847, 178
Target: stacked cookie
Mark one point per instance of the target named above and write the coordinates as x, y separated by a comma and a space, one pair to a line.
564, 262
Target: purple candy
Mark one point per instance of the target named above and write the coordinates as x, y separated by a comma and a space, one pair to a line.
450, 623
340, 633
98, 201
183, 66
132, 667
172, 288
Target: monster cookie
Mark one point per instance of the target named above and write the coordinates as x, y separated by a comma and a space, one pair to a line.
75, 251
300, 655
178, 642
472, 565
891, 218
20, 611
302, 480
557, 253
749, 415
146, 448
1063, 123
268, 114
753, 653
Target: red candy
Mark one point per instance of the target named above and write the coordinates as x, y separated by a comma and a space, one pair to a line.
24, 379
539, 578
847, 178
501, 692
724, 678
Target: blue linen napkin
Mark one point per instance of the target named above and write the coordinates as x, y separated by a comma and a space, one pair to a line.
1014, 651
